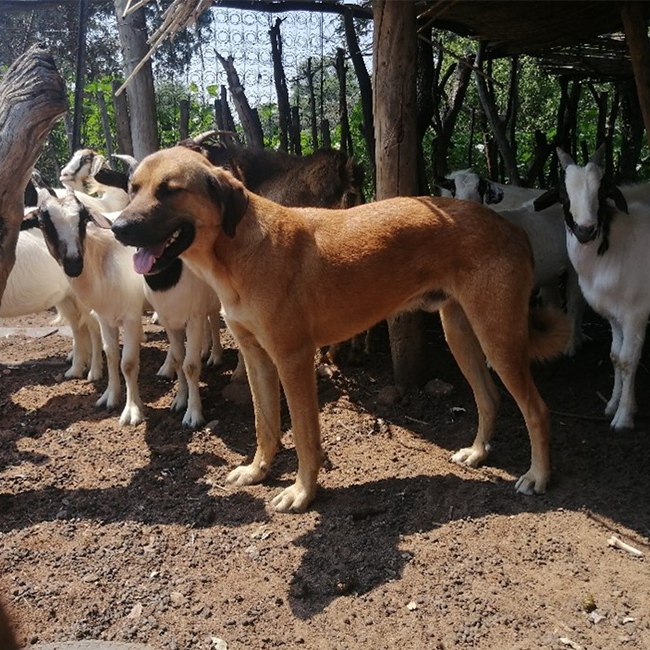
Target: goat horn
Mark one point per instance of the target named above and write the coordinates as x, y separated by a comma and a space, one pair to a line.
206, 135
129, 160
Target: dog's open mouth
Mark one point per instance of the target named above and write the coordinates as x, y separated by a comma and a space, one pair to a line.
152, 259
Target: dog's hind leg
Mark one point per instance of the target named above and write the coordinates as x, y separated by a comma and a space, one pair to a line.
298, 379
471, 360
505, 341
265, 389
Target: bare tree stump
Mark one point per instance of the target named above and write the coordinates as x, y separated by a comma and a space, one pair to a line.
32, 98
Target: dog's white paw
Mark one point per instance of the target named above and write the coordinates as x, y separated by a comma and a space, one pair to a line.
530, 483
471, 456
246, 475
293, 499
131, 415
193, 419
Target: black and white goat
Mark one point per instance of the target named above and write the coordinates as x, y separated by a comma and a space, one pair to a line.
608, 246
96, 185
546, 235
36, 283
101, 274
468, 185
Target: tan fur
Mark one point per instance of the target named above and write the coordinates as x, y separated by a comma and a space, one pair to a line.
292, 280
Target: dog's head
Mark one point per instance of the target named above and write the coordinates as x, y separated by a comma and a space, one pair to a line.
179, 201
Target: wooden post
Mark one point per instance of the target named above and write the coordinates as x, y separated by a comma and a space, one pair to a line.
184, 119
284, 108
296, 144
132, 31
106, 125
80, 75
492, 114
395, 57
635, 22
341, 71
124, 142
248, 116
365, 86
312, 105
32, 98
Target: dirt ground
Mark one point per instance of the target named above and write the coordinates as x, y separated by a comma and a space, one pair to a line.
131, 534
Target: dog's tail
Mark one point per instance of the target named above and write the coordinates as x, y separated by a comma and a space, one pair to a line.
549, 332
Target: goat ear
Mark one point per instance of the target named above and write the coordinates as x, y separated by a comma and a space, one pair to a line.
445, 183
546, 200
100, 220
564, 158
612, 192
231, 196
490, 192
30, 220
96, 164
597, 158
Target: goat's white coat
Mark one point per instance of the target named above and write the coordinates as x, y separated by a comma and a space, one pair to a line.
615, 284
36, 283
546, 233
112, 289
183, 310
82, 179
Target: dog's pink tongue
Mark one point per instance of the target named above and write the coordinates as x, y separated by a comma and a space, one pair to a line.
145, 258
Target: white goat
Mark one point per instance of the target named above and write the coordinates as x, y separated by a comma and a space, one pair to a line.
87, 174
101, 274
547, 238
609, 250
36, 283
468, 185
183, 303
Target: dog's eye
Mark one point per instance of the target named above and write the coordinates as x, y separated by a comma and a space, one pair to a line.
165, 191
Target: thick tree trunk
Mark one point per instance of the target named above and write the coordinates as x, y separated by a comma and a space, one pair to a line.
296, 144
365, 85
132, 31
284, 108
636, 34
248, 116
395, 60
124, 142
32, 98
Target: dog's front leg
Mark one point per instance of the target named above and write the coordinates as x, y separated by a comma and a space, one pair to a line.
299, 382
265, 389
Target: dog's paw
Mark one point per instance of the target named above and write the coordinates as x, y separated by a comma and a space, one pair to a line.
193, 419
246, 475
293, 499
531, 484
471, 456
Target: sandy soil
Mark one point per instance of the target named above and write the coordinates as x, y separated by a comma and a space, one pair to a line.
131, 535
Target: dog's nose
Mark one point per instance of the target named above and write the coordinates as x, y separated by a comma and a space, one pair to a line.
122, 229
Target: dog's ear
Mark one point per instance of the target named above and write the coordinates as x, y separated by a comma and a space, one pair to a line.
231, 196
610, 191
546, 200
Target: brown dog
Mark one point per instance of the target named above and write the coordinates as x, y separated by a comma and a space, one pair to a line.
294, 279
